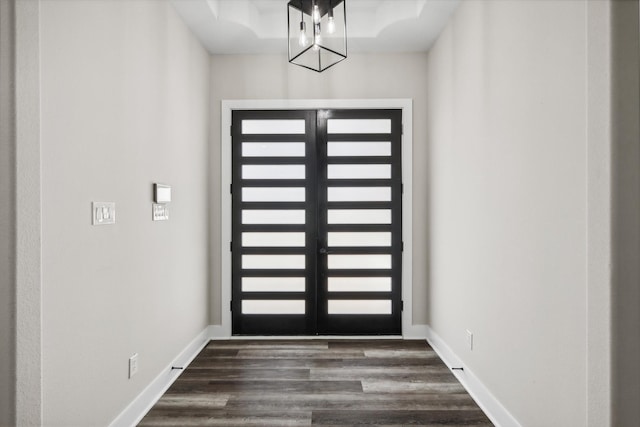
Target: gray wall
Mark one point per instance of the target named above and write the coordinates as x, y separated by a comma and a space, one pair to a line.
536, 133
7, 217
360, 76
626, 212
124, 104
507, 134
20, 289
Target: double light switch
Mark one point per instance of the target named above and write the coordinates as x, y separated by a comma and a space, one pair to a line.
103, 213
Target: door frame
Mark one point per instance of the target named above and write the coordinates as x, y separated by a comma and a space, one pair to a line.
227, 106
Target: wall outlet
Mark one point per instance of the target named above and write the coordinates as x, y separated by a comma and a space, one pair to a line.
133, 365
470, 339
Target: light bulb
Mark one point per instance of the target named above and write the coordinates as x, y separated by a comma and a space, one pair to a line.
316, 14
317, 38
302, 40
331, 25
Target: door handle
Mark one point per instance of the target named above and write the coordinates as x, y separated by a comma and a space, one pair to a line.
325, 251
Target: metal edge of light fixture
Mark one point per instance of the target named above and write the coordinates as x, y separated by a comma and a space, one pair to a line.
324, 7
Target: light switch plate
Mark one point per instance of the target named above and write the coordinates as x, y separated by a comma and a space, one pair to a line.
103, 213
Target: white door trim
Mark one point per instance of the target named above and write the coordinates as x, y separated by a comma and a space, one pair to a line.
227, 106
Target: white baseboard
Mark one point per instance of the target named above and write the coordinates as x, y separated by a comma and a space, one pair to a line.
137, 409
491, 406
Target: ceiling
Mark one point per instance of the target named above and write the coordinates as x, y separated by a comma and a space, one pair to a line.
260, 26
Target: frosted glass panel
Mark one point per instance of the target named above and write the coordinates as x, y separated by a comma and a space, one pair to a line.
359, 239
273, 262
359, 216
374, 262
273, 149
252, 127
259, 216
360, 306
359, 194
359, 284
273, 194
272, 239
273, 307
359, 171
341, 149
359, 126
273, 284
273, 172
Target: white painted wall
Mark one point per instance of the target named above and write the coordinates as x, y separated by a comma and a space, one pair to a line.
599, 218
360, 76
28, 269
20, 231
507, 165
124, 104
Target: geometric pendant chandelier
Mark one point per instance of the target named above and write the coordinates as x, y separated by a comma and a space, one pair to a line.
317, 33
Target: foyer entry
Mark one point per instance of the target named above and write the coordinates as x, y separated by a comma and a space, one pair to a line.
316, 222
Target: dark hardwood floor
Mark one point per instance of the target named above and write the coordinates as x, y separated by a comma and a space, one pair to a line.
316, 382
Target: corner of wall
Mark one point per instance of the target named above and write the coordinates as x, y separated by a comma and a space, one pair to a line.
7, 214
139, 407
625, 167
492, 407
598, 393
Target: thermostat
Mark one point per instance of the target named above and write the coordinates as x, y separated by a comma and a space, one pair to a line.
161, 193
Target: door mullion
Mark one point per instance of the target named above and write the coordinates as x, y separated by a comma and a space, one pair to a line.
321, 207
312, 221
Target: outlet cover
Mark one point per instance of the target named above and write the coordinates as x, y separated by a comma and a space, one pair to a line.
133, 365
470, 339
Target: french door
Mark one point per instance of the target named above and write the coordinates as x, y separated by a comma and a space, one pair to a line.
316, 222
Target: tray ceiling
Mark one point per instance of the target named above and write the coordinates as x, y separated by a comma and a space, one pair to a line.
260, 26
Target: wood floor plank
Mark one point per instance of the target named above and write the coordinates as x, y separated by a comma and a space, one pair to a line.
281, 387
219, 352
192, 400
261, 344
402, 354
403, 418
266, 363
411, 386
421, 374
352, 401
391, 361
207, 374
226, 418
316, 382
374, 344
271, 353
